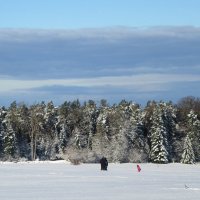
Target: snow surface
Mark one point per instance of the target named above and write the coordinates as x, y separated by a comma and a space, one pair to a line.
61, 180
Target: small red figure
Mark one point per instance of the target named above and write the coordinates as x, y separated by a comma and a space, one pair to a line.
138, 168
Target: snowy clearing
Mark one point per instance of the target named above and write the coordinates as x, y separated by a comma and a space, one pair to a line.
61, 180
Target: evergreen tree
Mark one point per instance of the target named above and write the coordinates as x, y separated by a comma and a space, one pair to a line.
117, 134
47, 143
122, 132
22, 132
188, 156
101, 141
159, 143
3, 113
169, 119
36, 129
193, 129
9, 142
138, 147
89, 122
63, 134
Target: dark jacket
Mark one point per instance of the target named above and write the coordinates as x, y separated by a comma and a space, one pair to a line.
104, 163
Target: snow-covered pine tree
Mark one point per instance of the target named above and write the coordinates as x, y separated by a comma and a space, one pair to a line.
62, 136
84, 129
188, 156
22, 132
36, 129
80, 139
1, 138
118, 134
159, 143
3, 114
158, 152
138, 148
88, 124
169, 118
127, 133
101, 141
50, 117
47, 143
9, 142
11, 119
193, 128
64, 127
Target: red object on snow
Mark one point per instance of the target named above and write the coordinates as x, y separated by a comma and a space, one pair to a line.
138, 168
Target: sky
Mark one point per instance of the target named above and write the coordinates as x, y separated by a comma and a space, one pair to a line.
64, 50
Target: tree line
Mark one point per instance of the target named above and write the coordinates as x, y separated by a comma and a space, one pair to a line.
160, 132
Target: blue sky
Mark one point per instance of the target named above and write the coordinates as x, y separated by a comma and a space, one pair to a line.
99, 49
70, 14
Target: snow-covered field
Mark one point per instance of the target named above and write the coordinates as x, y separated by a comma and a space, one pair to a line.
61, 180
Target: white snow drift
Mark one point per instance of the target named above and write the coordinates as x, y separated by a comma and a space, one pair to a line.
61, 180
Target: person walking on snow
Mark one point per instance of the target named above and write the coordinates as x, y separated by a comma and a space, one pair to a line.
104, 163
138, 168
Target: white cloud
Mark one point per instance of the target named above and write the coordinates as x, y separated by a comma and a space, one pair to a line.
107, 33
141, 82
158, 60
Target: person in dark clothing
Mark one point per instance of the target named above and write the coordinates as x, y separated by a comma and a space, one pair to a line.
104, 163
